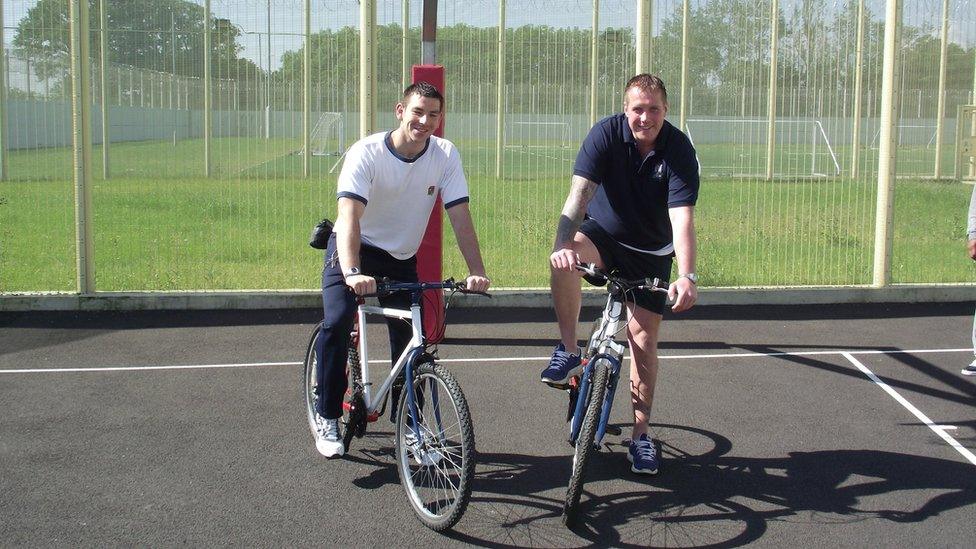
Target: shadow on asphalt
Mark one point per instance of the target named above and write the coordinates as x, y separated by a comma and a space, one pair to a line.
703, 497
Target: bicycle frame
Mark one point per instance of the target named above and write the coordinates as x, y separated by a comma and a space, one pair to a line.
407, 358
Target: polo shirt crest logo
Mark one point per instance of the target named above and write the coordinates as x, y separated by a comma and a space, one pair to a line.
430, 191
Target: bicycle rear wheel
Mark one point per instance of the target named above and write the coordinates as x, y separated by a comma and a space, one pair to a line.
436, 468
309, 383
350, 415
584, 442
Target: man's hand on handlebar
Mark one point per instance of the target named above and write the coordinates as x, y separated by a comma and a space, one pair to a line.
564, 259
683, 293
361, 284
477, 283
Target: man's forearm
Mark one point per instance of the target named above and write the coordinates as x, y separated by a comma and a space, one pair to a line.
971, 227
685, 244
348, 241
467, 238
573, 211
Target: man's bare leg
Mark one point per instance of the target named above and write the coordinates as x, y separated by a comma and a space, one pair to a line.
567, 294
642, 334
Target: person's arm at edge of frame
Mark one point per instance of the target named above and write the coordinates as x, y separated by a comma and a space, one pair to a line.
467, 240
348, 242
563, 256
971, 228
683, 291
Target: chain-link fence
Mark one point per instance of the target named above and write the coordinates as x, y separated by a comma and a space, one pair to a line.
208, 167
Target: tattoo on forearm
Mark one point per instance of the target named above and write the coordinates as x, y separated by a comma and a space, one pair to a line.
566, 229
574, 209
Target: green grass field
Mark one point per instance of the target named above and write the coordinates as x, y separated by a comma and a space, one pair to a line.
160, 225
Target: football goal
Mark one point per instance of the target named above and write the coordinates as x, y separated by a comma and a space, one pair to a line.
537, 137
738, 147
328, 135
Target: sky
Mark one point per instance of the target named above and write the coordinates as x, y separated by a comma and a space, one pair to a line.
251, 16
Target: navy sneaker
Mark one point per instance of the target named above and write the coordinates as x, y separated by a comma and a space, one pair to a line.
562, 366
643, 455
970, 370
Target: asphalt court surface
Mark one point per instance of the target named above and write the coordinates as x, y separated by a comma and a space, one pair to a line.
778, 426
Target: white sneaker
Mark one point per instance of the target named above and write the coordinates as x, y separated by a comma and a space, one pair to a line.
970, 370
423, 454
328, 437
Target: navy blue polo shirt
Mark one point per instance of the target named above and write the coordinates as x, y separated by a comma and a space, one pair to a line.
634, 193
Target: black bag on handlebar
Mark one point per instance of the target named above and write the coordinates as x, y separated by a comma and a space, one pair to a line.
320, 235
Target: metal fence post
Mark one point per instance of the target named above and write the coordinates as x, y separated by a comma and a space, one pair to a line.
858, 82
594, 60
81, 143
887, 146
207, 122
3, 101
685, 17
306, 92
367, 67
500, 120
404, 57
940, 101
103, 82
771, 114
643, 39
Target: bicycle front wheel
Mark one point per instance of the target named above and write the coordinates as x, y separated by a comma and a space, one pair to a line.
584, 442
435, 461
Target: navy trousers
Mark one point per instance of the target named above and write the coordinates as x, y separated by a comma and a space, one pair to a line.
339, 306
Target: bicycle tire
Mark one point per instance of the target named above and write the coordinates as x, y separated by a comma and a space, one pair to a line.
436, 472
584, 442
310, 384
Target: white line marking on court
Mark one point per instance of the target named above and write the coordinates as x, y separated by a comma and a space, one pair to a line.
938, 429
495, 359
138, 368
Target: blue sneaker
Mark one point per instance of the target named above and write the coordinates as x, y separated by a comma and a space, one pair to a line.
562, 366
643, 455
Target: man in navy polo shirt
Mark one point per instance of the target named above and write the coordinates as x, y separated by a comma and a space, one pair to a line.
630, 209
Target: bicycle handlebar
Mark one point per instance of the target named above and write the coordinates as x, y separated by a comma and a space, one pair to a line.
386, 286
653, 284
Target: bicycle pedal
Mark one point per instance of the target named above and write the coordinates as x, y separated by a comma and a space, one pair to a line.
614, 430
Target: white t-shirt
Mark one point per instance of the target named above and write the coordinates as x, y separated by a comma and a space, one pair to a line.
399, 194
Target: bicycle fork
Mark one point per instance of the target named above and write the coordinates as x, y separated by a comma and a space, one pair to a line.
584, 390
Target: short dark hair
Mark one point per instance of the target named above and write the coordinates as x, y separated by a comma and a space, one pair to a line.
423, 89
647, 83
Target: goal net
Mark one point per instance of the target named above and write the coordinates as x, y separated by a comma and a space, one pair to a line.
328, 135
738, 147
538, 137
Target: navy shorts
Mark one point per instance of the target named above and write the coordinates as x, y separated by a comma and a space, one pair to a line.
630, 264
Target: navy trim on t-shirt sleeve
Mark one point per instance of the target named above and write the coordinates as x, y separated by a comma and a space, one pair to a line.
453, 203
354, 196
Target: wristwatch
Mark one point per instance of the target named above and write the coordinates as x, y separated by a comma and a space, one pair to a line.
346, 273
690, 276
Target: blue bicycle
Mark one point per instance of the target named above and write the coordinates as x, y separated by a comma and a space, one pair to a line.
591, 393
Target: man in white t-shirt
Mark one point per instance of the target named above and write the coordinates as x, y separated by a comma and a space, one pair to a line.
387, 190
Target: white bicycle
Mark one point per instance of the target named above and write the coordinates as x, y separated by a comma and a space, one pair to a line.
434, 440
